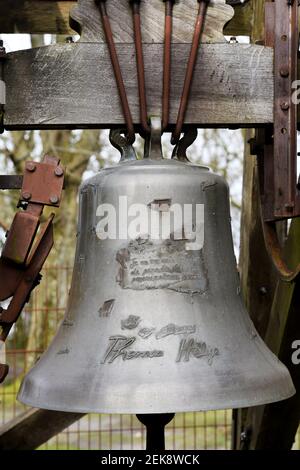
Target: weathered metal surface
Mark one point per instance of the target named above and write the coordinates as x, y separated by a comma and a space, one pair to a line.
72, 85
286, 194
151, 348
20, 237
21, 260
42, 183
277, 147
11, 181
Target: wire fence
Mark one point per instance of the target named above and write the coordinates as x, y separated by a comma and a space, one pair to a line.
199, 430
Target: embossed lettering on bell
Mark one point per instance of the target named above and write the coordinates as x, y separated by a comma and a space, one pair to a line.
152, 327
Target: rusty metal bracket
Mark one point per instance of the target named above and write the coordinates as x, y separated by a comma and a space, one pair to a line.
276, 146
22, 257
278, 168
2, 86
286, 45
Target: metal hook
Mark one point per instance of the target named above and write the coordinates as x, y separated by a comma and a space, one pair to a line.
153, 146
179, 151
120, 143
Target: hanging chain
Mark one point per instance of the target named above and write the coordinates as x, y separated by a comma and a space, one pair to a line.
203, 4
117, 70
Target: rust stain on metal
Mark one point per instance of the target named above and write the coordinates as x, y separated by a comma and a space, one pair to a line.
161, 205
67, 322
63, 351
106, 308
207, 185
166, 265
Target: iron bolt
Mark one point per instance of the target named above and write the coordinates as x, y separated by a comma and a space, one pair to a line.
289, 207
30, 166
59, 171
26, 196
284, 72
284, 106
54, 199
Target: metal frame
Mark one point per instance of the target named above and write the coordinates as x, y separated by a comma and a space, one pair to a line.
278, 146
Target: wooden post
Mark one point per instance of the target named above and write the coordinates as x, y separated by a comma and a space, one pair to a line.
258, 280
272, 426
33, 428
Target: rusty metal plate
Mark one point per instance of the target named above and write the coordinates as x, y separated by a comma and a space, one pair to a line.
42, 184
20, 237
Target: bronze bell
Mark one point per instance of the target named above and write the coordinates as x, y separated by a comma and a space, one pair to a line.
155, 324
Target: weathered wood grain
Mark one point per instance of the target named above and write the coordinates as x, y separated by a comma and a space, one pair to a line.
242, 22
86, 15
72, 85
33, 428
52, 17
274, 426
35, 16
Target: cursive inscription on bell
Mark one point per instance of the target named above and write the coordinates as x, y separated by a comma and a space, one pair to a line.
172, 329
146, 332
189, 347
119, 347
130, 322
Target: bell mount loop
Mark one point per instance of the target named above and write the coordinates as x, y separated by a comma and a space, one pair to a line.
154, 146
121, 143
179, 151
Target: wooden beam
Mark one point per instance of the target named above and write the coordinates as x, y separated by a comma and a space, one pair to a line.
72, 85
87, 21
258, 281
33, 428
258, 277
52, 17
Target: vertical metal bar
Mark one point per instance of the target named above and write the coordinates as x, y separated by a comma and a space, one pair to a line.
135, 5
285, 111
167, 63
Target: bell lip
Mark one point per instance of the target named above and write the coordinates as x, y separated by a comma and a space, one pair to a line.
233, 404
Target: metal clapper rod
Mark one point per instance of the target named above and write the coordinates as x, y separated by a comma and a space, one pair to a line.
155, 425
